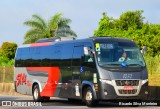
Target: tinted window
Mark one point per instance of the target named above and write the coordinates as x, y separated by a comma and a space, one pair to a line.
55, 55
77, 55
89, 56
18, 60
36, 57
25, 57
127, 44
114, 55
45, 55
67, 51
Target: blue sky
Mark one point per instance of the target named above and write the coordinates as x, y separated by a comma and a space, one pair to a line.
85, 14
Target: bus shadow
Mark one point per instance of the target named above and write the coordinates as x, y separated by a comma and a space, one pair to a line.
63, 103
80, 103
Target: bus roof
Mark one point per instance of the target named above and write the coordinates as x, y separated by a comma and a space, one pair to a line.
90, 39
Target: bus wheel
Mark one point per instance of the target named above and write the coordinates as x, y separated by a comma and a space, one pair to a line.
36, 93
89, 98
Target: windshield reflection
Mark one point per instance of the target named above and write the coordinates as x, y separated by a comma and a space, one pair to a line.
114, 55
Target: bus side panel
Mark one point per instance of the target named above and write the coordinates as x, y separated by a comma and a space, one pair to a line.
46, 77
50, 85
22, 82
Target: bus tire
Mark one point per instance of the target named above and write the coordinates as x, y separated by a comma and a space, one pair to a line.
36, 93
89, 97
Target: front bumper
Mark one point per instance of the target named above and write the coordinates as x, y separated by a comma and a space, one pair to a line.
110, 92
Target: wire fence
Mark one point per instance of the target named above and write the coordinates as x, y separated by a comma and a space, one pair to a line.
6, 74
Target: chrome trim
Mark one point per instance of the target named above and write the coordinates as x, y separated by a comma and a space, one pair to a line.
144, 81
122, 87
138, 88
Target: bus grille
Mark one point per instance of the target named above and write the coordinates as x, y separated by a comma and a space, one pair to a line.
127, 82
121, 91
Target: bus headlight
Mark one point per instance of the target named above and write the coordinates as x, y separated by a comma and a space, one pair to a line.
144, 81
106, 81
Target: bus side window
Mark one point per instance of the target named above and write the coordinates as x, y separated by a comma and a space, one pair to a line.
26, 57
56, 56
88, 54
66, 55
88, 58
18, 59
77, 55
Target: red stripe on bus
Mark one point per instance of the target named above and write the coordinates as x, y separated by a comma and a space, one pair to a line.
53, 78
40, 44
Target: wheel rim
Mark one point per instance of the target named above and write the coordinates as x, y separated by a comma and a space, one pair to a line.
36, 94
89, 95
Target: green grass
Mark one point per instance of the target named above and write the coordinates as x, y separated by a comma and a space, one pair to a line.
153, 66
154, 79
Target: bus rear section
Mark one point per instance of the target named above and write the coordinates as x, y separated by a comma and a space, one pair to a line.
92, 70
33, 73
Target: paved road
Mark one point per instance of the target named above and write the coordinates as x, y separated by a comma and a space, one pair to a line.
58, 103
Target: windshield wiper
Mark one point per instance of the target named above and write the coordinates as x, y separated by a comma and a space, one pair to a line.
112, 64
135, 65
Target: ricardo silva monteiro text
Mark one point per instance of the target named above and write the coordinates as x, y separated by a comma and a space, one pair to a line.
138, 103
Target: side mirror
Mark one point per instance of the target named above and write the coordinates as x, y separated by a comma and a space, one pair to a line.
144, 50
88, 50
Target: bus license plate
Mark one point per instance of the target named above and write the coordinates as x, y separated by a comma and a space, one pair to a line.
128, 88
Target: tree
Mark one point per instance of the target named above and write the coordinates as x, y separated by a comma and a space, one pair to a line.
131, 25
8, 50
131, 19
56, 26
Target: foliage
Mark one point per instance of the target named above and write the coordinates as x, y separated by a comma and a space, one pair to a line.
8, 50
5, 61
131, 25
7, 53
153, 64
56, 26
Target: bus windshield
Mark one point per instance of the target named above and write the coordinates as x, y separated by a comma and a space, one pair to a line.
119, 55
